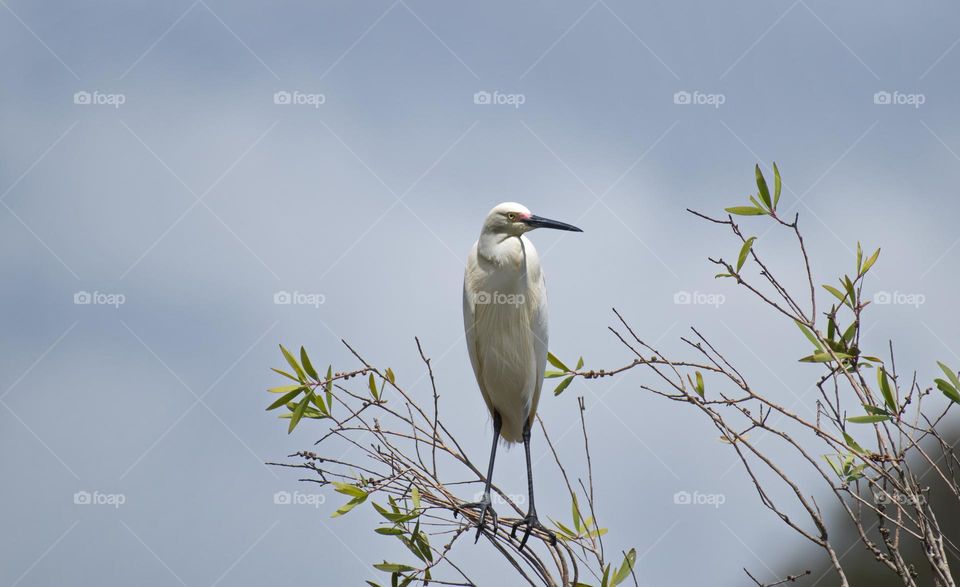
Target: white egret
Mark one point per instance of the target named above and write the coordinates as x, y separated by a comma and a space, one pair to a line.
505, 320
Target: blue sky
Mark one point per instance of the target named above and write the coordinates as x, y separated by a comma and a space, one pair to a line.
144, 158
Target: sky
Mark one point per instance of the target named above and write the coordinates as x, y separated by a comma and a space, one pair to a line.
169, 171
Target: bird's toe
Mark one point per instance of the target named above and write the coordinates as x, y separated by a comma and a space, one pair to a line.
484, 507
531, 523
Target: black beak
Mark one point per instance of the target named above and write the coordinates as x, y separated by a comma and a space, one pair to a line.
540, 222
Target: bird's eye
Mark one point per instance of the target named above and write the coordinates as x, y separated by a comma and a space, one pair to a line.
512, 216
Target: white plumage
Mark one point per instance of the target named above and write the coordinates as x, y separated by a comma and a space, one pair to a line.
505, 315
505, 321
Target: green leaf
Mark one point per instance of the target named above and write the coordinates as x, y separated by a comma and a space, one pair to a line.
557, 362
859, 258
396, 517
293, 363
851, 292
579, 363
869, 262
285, 374
372, 384
318, 401
699, 386
349, 506
575, 512
348, 489
282, 400
744, 251
762, 186
421, 540
849, 333
809, 334
777, 184
867, 419
852, 444
605, 582
624, 571
390, 376
298, 413
951, 375
415, 497
305, 360
284, 388
393, 567
389, 531
856, 473
884, 384
329, 387
875, 410
745, 211
948, 390
837, 294
823, 357
553, 374
566, 532
834, 466
563, 385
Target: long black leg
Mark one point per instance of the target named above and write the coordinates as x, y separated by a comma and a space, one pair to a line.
531, 520
485, 505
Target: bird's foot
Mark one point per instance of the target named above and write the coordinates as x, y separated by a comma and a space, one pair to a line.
484, 506
531, 523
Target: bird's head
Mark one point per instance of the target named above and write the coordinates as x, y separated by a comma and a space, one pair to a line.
514, 219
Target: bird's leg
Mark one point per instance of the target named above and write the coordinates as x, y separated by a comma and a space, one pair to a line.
485, 505
530, 521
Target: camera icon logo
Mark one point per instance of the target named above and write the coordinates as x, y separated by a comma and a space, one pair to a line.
482, 97
81, 98
282, 298
682, 498
82, 298
882, 297
482, 297
282, 97
282, 498
681, 97
682, 298
82, 498
882, 98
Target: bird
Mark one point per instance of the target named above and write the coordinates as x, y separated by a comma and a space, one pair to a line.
505, 323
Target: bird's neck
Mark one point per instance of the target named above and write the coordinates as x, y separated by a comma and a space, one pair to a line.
501, 249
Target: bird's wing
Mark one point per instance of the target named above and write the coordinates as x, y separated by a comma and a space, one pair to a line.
541, 339
469, 322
